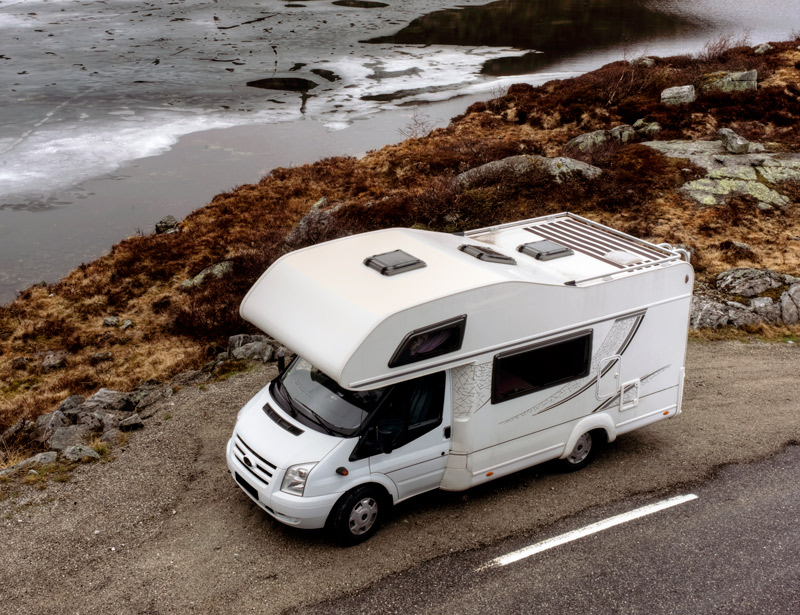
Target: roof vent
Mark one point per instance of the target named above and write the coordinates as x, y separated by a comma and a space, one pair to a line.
486, 254
392, 263
545, 250
623, 258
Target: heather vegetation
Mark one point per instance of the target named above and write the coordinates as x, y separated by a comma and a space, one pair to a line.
413, 184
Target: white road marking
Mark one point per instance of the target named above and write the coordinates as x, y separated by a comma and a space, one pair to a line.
594, 528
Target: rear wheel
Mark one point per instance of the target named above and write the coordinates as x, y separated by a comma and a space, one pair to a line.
581, 454
357, 515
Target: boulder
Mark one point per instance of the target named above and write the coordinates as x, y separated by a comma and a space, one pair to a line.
254, 351
79, 452
70, 403
109, 400
643, 61
733, 142
558, 168
726, 81
47, 424
623, 133
37, 461
789, 310
678, 95
111, 321
762, 49
132, 422
588, 142
767, 309
219, 270
145, 398
316, 226
167, 225
127, 323
747, 282
648, 129
112, 436
71, 435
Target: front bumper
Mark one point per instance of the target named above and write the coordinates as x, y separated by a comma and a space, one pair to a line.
303, 512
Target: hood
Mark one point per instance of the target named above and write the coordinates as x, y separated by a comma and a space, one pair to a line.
270, 439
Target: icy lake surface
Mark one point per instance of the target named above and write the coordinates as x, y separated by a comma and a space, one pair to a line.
111, 110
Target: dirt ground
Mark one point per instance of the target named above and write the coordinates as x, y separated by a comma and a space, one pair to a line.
164, 529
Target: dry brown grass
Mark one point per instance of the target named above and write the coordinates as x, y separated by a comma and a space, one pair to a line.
409, 184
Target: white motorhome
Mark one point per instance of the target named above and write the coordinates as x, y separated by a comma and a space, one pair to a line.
429, 360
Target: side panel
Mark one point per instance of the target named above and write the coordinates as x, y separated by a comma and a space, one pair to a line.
497, 439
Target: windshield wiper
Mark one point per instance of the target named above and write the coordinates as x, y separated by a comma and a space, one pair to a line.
320, 421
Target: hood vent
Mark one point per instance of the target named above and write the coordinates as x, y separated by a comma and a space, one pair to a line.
392, 263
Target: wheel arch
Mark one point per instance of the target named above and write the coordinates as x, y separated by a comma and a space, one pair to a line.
599, 422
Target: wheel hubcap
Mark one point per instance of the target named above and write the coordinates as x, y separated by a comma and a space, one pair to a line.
363, 515
581, 450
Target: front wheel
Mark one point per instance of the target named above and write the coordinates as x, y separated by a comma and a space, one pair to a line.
581, 454
357, 515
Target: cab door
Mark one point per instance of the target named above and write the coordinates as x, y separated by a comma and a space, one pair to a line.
413, 426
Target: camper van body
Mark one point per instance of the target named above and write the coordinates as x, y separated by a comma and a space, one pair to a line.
513, 345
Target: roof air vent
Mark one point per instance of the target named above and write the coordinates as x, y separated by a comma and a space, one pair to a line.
545, 250
623, 258
392, 263
486, 254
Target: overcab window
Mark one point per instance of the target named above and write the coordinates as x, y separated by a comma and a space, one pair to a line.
431, 341
531, 369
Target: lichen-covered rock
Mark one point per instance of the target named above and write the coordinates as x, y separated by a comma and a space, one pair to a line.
763, 48
725, 81
678, 95
648, 129
54, 361
37, 461
558, 168
111, 321
708, 313
219, 270
254, 351
623, 133
789, 310
748, 282
587, 142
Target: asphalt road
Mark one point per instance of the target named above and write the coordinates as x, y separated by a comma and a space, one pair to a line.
162, 527
734, 549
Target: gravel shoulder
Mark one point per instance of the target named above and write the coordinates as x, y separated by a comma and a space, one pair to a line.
163, 528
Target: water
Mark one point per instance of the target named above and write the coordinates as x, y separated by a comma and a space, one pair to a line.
114, 113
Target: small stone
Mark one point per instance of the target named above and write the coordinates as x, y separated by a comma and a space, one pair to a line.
80, 452
126, 324
101, 357
734, 143
167, 224
53, 361
762, 49
220, 270
18, 363
134, 421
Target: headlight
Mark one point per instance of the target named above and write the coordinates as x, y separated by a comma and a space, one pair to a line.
294, 481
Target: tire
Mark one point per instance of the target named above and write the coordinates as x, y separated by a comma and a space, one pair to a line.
357, 515
581, 454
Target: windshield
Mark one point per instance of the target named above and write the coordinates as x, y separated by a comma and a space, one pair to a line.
307, 393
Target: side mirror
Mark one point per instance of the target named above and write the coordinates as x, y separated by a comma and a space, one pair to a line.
385, 440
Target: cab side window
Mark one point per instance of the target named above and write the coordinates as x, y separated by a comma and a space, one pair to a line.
412, 408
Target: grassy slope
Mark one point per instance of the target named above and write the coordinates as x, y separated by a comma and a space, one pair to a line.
409, 184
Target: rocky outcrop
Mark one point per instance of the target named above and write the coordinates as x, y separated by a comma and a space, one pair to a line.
559, 168
754, 174
745, 296
167, 225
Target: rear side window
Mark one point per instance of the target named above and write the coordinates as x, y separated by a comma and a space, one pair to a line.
431, 341
532, 369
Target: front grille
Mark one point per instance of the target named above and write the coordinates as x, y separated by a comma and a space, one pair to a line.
257, 467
